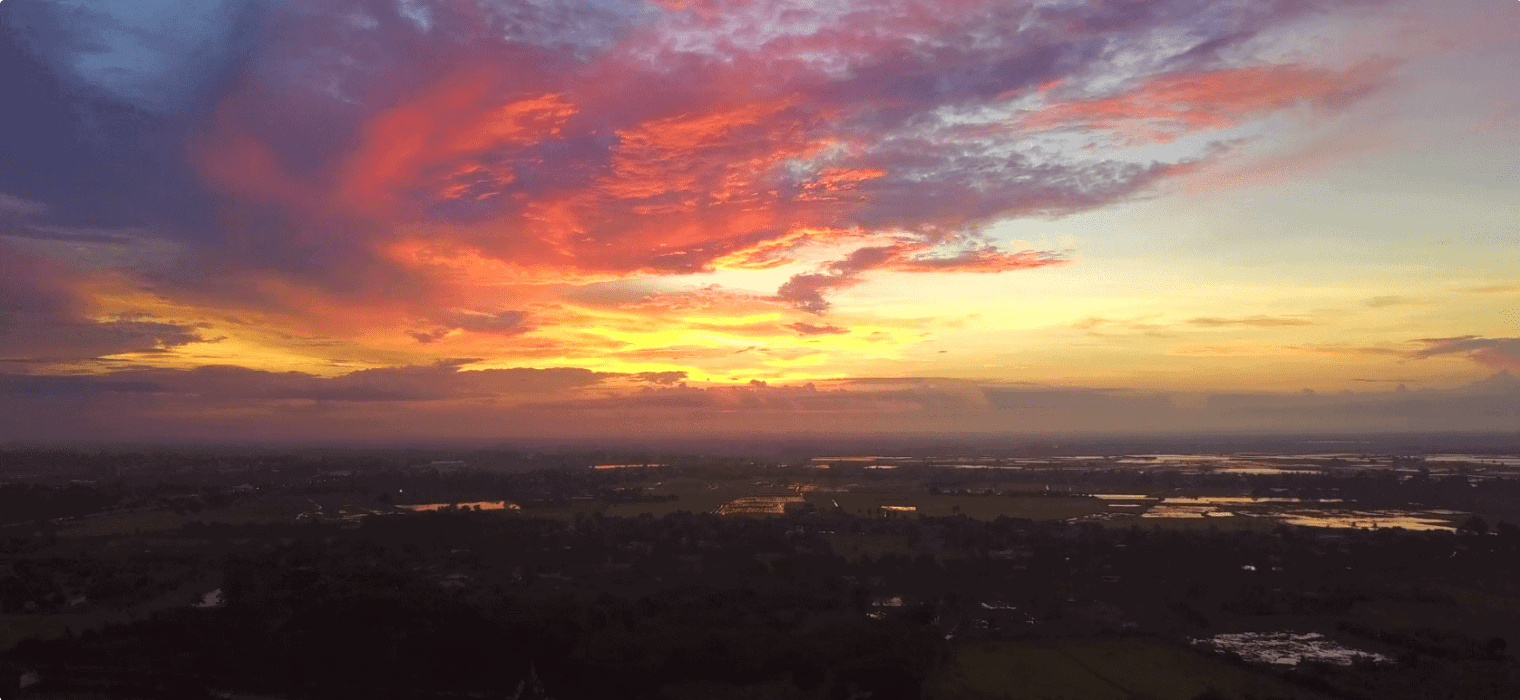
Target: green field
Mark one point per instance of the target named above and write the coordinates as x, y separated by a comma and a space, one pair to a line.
1098, 669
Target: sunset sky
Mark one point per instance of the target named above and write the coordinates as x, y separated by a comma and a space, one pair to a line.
318, 220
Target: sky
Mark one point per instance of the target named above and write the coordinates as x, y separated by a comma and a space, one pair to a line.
372, 220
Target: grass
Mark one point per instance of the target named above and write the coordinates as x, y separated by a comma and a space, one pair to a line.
1098, 669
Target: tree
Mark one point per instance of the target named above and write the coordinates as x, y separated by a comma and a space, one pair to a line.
531, 688
1495, 647
1474, 526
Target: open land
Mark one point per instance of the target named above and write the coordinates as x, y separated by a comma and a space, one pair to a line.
1103, 576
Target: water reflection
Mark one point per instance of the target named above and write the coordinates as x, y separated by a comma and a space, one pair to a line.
1330, 512
1289, 649
212, 599
473, 505
760, 505
1428, 521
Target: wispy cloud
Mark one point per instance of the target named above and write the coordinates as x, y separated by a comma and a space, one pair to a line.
1393, 300
1256, 321
1494, 289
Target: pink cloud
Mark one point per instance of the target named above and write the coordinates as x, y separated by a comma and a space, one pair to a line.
1494, 353
1167, 106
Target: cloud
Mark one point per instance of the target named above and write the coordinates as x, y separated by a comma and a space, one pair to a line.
533, 182
705, 297
1498, 353
448, 401
1166, 106
26, 338
1099, 326
660, 378
443, 380
18, 207
42, 318
366, 148
1257, 350
1258, 321
499, 323
810, 329
806, 291
1382, 301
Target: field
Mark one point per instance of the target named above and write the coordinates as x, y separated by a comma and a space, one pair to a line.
280, 508
15, 628
973, 506
692, 497
852, 546
1099, 669
701, 498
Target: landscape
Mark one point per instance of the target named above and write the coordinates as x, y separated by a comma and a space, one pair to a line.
998, 573
759, 349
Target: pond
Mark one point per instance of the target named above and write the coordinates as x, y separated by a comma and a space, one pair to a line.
473, 505
1288, 648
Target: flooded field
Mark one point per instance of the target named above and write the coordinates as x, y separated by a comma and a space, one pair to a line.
1511, 461
980, 507
1099, 670
1167, 510
1329, 513
473, 505
1427, 520
760, 505
1288, 648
